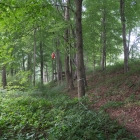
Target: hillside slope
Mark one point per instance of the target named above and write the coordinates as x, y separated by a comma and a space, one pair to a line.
117, 93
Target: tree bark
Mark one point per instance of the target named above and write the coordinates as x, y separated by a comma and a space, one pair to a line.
53, 69
122, 14
41, 62
34, 57
4, 81
23, 61
104, 40
47, 74
80, 62
29, 66
12, 71
68, 64
59, 66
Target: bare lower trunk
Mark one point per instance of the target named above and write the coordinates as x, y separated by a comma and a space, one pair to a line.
68, 73
4, 82
104, 40
59, 67
29, 66
41, 62
34, 57
80, 62
53, 69
68, 64
23, 62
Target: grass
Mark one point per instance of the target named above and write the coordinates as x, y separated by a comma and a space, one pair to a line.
47, 113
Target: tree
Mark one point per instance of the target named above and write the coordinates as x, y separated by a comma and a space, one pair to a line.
68, 63
123, 22
101, 32
80, 62
103, 38
34, 79
4, 81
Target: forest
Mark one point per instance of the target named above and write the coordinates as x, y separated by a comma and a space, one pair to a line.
69, 70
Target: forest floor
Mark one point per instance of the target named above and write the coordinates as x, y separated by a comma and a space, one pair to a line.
118, 94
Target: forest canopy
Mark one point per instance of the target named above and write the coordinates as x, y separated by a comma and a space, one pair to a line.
83, 35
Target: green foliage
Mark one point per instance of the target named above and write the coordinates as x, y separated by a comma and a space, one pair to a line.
81, 123
118, 66
112, 104
19, 81
47, 113
24, 117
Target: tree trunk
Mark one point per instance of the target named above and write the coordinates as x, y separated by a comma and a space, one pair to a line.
4, 81
104, 40
52, 69
41, 62
23, 62
122, 14
68, 64
12, 71
68, 73
29, 66
47, 74
59, 66
94, 61
80, 62
34, 57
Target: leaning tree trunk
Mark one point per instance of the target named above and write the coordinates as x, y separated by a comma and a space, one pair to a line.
122, 14
4, 82
80, 62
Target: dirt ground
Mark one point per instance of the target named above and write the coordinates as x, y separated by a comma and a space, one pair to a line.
127, 115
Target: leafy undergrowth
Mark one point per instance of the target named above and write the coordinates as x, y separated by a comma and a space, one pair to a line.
49, 114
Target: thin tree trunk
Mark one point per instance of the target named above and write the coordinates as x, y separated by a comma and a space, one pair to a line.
59, 66
12, 71
104, 40
23, 61
41, 61
80, 62
29, 66
94, 61
47, 74
55, 70
34, 57
122, 14
52, 69
4, 81
68, 64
